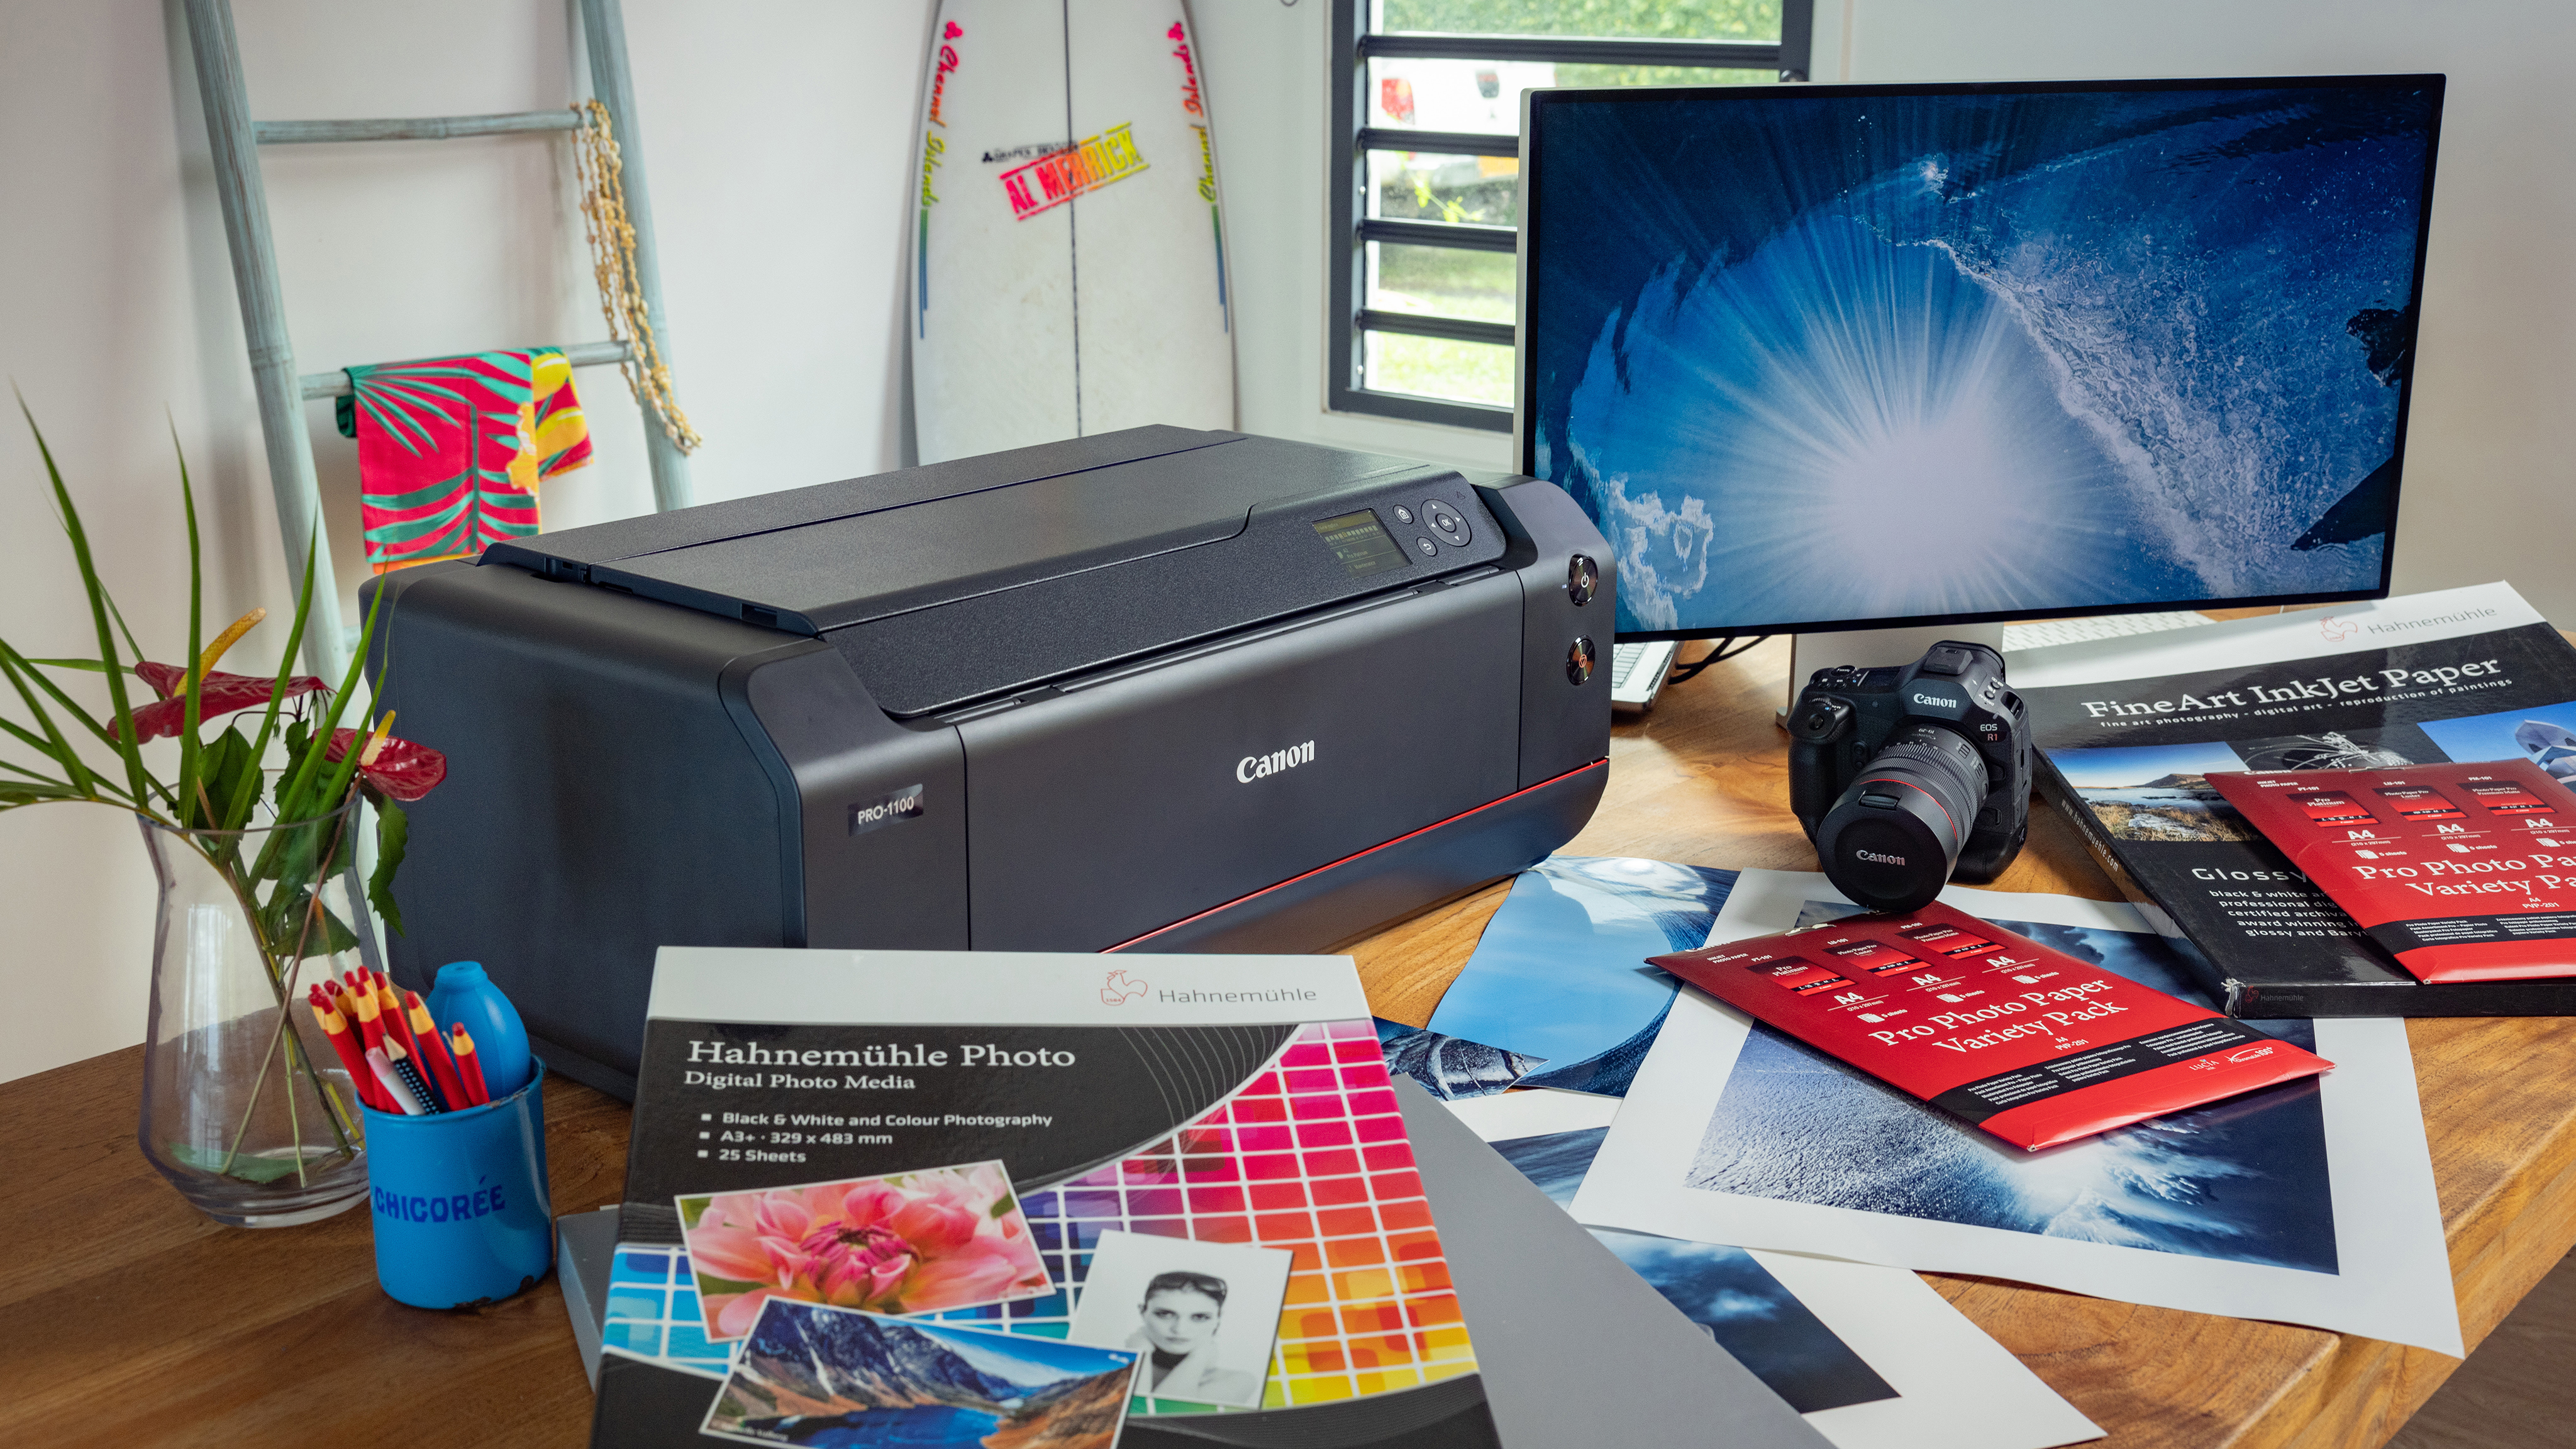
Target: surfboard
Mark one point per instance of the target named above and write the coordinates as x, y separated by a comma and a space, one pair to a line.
1069, 262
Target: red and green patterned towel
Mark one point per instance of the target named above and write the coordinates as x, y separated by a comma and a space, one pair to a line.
451, 449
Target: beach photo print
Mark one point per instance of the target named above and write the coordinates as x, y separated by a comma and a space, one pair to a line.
908, 1242
812, 1374
1203, 1315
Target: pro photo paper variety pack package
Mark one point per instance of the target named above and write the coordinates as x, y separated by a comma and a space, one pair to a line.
2030, 1044
2462, 872
1023, 1199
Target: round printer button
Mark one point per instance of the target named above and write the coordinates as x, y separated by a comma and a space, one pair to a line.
1426, 547
1445, 518
1403, 515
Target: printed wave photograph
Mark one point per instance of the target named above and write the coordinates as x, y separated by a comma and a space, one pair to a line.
2543, 734
1732, 1298
2049, 349
2155, 792
2242, 1180
838, 1378
1559, 974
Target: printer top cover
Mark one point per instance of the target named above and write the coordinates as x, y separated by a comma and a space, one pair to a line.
964, 579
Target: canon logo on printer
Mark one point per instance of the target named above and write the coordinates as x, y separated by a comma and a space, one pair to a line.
903, 804
1253, 767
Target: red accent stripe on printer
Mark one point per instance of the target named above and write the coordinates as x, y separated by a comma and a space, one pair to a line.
1356, 855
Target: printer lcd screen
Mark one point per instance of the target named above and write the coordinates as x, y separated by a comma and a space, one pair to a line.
1361, 543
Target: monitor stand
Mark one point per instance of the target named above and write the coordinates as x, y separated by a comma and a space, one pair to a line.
1871, 648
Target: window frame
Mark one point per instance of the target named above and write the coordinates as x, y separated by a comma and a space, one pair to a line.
1350, 320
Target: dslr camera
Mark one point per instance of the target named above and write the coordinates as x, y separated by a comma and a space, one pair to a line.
1907, 776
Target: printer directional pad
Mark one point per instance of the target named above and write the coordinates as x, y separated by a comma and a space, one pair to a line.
1446, 521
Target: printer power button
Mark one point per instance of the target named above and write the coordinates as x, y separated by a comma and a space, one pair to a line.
1582, 579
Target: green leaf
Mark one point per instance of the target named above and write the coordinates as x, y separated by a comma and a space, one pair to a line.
393, 835
90, 666
192, 762
247, 792
226, 758
35, 792
285, 925
99, 605
57, 749
245, 1166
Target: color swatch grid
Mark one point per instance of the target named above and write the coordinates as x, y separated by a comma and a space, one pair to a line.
652, 1312
1309, 1156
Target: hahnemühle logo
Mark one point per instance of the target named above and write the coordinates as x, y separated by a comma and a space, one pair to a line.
1120, 989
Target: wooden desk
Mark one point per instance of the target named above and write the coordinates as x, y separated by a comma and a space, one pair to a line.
132, 1320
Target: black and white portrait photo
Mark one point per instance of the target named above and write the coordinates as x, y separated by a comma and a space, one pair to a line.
1205, 1315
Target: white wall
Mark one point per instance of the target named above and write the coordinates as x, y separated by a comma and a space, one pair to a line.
775, 137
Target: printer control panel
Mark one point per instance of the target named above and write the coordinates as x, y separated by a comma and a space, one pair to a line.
1417, 527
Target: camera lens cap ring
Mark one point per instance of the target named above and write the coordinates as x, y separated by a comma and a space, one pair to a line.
1886, 858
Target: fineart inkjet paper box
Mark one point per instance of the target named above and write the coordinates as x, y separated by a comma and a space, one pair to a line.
2462, 872
971, 1142
2028, 1043
2129, 731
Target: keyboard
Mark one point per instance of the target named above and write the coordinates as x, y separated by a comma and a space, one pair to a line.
1637, 672
2045, 632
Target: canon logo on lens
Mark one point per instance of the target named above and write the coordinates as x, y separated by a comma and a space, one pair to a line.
1876, 858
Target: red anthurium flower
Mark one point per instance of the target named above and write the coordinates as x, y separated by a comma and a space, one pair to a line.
401, 769
221, 694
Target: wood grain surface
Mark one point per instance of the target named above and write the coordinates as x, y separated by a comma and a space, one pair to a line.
131, 1320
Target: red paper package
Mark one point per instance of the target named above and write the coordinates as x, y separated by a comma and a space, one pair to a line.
2463, 872
1995, 1029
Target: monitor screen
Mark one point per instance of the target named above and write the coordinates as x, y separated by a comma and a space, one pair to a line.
1824, 357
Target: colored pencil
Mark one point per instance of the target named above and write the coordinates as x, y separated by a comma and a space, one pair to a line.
389, 1006
344, 1042
371, 1022
434, 1055
393, 1082
469, 1069
410, 1074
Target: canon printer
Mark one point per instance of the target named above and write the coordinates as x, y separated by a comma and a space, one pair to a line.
1154, 690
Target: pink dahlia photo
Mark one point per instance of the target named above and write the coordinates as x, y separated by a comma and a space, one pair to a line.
914, 1242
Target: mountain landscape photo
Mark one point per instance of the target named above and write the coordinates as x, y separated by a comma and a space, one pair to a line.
837, 1378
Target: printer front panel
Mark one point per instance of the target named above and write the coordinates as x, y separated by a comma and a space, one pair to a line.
1104, 812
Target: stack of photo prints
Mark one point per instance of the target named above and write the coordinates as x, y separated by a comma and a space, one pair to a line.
1033, 1201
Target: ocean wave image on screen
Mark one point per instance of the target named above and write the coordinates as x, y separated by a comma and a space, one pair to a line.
1853, 358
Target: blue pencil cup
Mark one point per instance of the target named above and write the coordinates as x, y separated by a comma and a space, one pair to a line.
463, 1214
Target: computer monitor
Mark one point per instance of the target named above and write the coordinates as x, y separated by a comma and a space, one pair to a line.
1848, 357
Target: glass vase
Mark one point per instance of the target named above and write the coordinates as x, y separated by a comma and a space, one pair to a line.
248, 1109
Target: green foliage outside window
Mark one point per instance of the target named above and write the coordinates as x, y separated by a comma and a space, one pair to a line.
1480, 285
1625, 19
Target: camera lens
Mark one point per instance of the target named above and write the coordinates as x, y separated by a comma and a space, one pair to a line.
1890, 841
